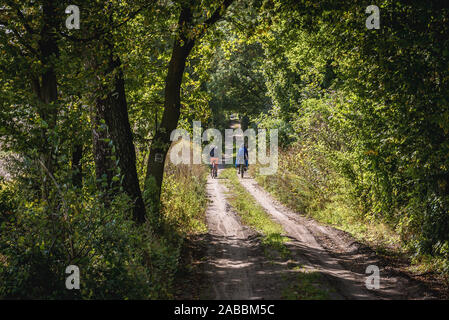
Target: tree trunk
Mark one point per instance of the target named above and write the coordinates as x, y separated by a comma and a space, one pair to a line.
116, 118
244, 123
172, 105
182, 47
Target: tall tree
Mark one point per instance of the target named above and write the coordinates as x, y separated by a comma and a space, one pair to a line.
188, 33
110, 117
116, 117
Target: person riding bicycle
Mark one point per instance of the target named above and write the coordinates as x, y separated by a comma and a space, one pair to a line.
242, 157
213, 156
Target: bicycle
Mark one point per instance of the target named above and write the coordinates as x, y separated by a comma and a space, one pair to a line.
242, 160
214, 168
241, 170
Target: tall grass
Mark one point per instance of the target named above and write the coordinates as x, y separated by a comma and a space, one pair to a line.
306, 183
184, 198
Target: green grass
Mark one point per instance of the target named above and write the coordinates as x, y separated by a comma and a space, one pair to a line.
307, 287
184, 199
294, 193
253, 215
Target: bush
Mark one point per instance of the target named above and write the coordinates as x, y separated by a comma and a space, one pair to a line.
184, 199
117, 259
344, 170
6, 202
108, 248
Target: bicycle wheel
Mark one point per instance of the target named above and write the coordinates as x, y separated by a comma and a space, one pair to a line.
242, 170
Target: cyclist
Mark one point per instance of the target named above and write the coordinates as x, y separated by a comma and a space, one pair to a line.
242, 157
213, 161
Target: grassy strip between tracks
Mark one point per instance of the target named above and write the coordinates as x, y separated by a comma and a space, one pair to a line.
253, 215
307, 285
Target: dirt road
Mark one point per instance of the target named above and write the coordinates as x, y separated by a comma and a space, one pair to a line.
336, 255
236, 267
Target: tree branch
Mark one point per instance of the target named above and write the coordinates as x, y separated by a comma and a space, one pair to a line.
19, 38
21, 17
217, 15
103, 32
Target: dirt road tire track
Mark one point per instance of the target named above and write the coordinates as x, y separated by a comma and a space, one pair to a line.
335, 255
236, 267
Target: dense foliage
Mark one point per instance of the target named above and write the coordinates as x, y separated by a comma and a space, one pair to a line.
364, 112
79, 109
86, 116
